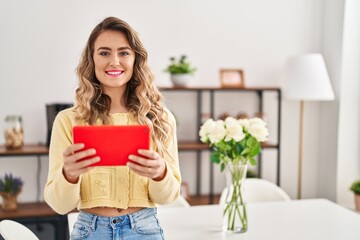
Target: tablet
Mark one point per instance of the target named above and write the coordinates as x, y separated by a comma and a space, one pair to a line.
113, 144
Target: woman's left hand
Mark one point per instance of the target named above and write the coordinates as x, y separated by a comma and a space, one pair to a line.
148, 164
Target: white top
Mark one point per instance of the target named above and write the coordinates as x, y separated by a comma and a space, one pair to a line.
315, 219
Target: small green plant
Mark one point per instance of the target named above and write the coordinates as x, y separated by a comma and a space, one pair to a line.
10, 184
180, 66
355, 187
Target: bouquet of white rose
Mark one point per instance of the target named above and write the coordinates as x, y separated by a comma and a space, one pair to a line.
234, 140
234, 143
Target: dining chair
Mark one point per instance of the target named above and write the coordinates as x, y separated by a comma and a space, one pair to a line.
11, 230
179, 202
259, 190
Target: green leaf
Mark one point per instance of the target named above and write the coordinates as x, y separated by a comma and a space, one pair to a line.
215, 157
227, 147
253, 161
251, 141
243, 143
245, 151
180, 65
255, 150
238, 148
222, 167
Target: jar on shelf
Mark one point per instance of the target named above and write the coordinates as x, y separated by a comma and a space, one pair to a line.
13, 133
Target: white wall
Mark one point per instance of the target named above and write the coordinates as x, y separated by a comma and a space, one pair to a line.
41, 42
339, 158
348, 166
332, 50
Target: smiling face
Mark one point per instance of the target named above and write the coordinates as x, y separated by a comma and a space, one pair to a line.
114, 60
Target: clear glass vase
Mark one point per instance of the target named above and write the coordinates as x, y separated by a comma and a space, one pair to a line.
234, 207
13, 132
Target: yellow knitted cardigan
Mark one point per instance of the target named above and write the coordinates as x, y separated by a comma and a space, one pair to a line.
117, 187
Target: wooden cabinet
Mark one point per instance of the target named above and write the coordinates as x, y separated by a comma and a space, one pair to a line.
197, 147
38, 213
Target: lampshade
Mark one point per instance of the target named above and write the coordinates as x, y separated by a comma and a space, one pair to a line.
305, 78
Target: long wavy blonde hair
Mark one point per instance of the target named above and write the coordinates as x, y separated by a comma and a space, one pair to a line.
141, 97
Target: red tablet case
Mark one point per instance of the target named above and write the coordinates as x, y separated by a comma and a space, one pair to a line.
113, 144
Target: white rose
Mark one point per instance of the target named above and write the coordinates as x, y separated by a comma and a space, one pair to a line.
258, 131
205, 129
257, 121
230, 121
234, 131
218, 132
244, 123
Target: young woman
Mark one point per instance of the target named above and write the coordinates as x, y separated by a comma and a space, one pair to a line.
115, 87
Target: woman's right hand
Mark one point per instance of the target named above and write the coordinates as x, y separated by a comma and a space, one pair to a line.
73, 166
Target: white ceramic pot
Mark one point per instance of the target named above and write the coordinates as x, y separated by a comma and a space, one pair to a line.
180, 80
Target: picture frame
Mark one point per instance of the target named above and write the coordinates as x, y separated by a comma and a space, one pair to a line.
232, 78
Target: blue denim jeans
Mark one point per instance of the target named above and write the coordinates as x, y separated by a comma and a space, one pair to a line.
142, 224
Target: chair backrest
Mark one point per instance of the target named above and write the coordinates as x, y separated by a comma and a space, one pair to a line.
260, 190
179, 202
11, 230
72, 217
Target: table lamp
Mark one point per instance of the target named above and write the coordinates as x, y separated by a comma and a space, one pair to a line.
305, 78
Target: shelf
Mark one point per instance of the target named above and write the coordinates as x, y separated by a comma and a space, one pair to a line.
211, 95
203, 199
33, 149
38, 209
207, 88
38, 213
26, 150
269, 145
41, 209
192, 145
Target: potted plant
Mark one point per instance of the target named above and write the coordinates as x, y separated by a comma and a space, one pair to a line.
180, 70
355, 187
10, 187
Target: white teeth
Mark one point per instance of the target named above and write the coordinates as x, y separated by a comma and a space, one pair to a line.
113, 73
